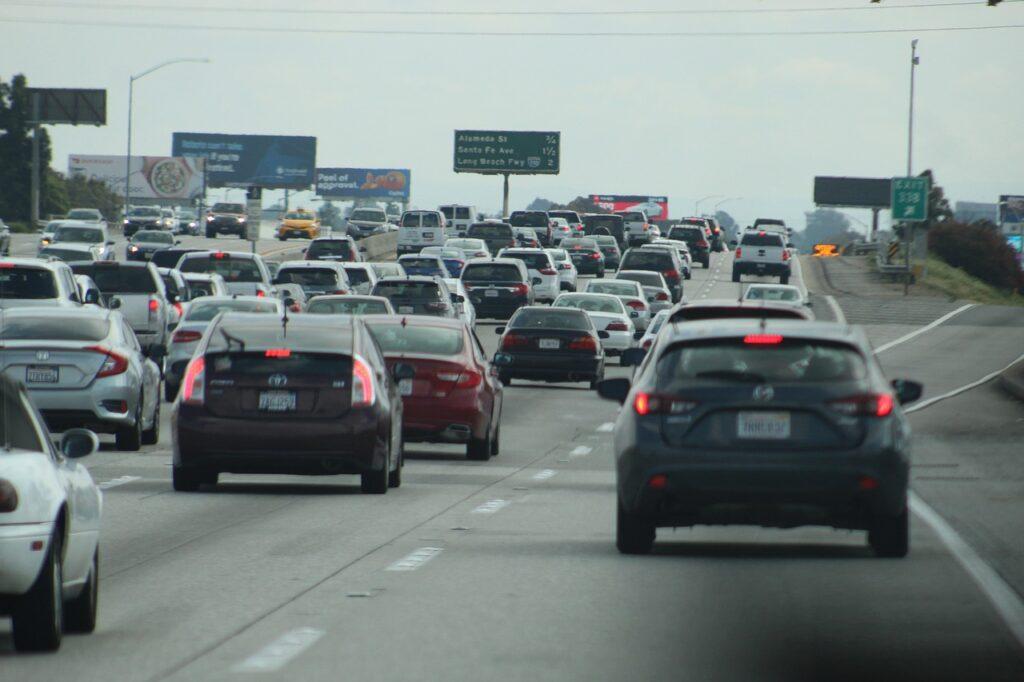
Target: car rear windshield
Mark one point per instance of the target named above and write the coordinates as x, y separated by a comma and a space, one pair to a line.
772, 294
652, 279
118, 279
761, 239
612, 287
686, 234
200, 287
154, 236
66, 255
558, 255
699, 312
53, 328
693, 221
586, 244
419, 262
299, 215
204, 311
792, 361
591, 304
647, 259
228, 208
462, 213
539, 318
307, 277
608, 221
86, 235
368, 215
491, 272
493, 231
294, 364
396, 338
334, 247
528, 219
570, 216
232, 269
347, 306
533, 261
427, 291
149, 212
357, 276
632, 216
421, 220
84, 214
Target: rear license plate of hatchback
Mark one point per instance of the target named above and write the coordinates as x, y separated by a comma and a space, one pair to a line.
763, 425
549, 344
405, 387
491, 293
406, 310
277, 401
42, 374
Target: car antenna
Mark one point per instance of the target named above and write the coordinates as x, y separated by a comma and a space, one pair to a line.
232, 339
284, 321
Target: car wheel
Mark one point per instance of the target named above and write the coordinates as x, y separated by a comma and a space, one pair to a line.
889, 536
38, 615
784, 279
735, 276
210, 477
282, 237
505, 378
600, 273
80, 612
632, 535
151, 436
706, 262
376, 482
129, 438
479, 450
170, 392
395, 477
185, 480
689, 274
496, 443
210, 234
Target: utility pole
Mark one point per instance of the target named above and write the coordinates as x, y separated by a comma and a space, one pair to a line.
504, 200
908, 232
37, 129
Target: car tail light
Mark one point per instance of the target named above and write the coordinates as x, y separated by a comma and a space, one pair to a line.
260, 293
762, 339
295, 308
867, 405
521, 290
513, 340
617, 327
193, 385
739, 251
671, 274
646, 345
595, 255
154, 305
548, 271
662, 296
219, 255
178, 307
113, 365
657, 482
339, 292
279, 353
464, 379
635, 305
583, 343
363, 392
186, 336
8, 496
652, 403
785, 254
6, 266
702, 244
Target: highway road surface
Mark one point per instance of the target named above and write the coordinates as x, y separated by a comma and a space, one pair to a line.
507, 570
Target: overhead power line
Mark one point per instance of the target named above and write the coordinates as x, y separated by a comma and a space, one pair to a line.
499, 34
207, 8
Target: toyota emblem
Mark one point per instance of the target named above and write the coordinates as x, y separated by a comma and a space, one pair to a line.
764, 393
277, 380
42, 355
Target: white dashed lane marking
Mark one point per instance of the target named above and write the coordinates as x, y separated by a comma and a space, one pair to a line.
491, 506
276, 655
581, 451
114, 482
544, 475
415, 559
607, 427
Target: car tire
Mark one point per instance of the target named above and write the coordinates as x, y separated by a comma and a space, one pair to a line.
689, 274
38, 615
281, 237
889, 536
395, 477
170, 392
735, 276
632, 535
505, 378
129, 438
706, 262
210, 477
496, 442
600, 273
479, 450
783, 279
186, 480
151, 436
376, 482
211, 234
80, 612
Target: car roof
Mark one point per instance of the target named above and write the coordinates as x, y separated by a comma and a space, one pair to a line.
645, 273
80, 223
496, 261
237, 255
301, 264
408, 278
224, 299
69, 246
62, 313
349, 297
730, 328
524, 249
417, 320
589, 294
341, 238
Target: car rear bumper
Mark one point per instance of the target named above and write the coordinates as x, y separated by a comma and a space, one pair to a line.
618, 342
497, 309
760, 268
21, 564
555, 367
89, 408
422, 421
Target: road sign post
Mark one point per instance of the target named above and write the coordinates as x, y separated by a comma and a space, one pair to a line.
909, 206
507, 152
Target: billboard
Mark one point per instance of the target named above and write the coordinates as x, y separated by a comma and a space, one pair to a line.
1011, 212
515, 152
656, 207
852, 192
363, 183
163, 178
973, 211
271, 161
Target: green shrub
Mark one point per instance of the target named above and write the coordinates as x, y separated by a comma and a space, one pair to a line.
979, 251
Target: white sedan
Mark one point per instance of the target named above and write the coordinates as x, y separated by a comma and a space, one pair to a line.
609, 314
631, 293
49, 527
465, 309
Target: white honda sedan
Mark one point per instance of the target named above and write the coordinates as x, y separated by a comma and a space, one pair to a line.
49, 526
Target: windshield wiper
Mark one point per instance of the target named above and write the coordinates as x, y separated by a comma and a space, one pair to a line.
731, 374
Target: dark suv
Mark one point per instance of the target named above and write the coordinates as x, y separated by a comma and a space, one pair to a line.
666, 261
497, 287
695, 238
615, 225
538, 221
229, 218
333, 248
497, 235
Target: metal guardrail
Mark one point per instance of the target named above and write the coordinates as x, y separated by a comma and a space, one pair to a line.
895, 270
864, 248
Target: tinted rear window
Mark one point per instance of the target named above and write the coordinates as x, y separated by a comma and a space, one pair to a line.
201, 311
347, 306
759, 239
338, 247
652, 279
88, 235
772, 294
612, 222
296, 364
53, 329
228, 208
687, 314
528, 219
394, 338
168, 258
535, 318
119, 279
462, 213
419, 263
646, 259
491, 272
686, 234
533, 261
632, 216
231, 269
620, 288
307, 277
591, 304
492, 231
411, 290
421, 220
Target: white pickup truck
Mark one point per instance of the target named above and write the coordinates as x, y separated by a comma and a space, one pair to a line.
137, 291
761, 252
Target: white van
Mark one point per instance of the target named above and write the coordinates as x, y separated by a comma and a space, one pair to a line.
459, 217
421, 228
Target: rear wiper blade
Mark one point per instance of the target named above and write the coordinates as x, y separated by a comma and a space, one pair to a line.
729, 374
232, 339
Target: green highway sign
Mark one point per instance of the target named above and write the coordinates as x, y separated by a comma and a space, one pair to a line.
507, 151
910, 199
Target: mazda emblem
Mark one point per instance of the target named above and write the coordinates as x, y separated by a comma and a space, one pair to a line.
764, 393
277, 380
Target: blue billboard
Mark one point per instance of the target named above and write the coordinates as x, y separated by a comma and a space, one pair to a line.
271, 161
363, 183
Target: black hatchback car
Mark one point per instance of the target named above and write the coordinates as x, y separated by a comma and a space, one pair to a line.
772, 423
695, 238
310, 394
418, 295
586, 255
610, 250
497, 287
664, 260
550, 344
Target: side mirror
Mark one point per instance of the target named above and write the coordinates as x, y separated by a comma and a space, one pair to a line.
907, 391
114, 304
637, 335
92, 296
177, 241
536, 280
77, 443
289, 302
632, 357
458, 298
614, 389
501, 360
403, 371
110, 243
733, 242
602, 334
634, 314
499, 330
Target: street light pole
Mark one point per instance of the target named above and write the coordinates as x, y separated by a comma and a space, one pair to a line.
908, 233
131, 97
696, 206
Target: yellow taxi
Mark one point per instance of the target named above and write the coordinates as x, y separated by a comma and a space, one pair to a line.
300, 223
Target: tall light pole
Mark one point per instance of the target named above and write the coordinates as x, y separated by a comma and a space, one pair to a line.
726, 200
131, 92
908, 232
696, 206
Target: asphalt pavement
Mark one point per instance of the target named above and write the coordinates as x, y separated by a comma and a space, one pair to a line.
508, 570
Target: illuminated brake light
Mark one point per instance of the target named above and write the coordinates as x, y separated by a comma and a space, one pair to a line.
193, 385
113, 365
219, 255
260, 293
785, 254
658, 482
186, 336
867, 405
154, 305
762, 339
363, 392
739, 251
651, 403
278, 353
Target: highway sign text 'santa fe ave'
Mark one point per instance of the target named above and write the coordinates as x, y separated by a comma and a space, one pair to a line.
507, 151
910, 199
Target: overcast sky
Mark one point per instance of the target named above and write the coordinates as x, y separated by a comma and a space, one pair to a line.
685, 116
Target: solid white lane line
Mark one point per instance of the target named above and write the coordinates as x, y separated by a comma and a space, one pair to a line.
544, 475
966, 387
922, 330
276, 655
1004, 598
836, 310
415, 559
606, 427
581, 451
114, 482
491, 507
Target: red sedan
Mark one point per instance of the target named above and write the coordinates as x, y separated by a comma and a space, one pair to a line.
454, 397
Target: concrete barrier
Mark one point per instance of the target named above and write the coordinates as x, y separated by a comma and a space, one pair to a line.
380, 247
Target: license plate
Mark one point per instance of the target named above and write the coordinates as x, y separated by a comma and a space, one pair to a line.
763, 425
277, 401
35, 374
491, 293
405, 387
406, 309
548, 344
